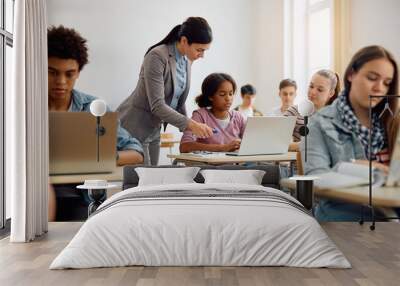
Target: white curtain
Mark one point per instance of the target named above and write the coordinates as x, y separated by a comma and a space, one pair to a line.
342, 35
27, 123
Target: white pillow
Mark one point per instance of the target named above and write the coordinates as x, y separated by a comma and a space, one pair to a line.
166, 176
249, 177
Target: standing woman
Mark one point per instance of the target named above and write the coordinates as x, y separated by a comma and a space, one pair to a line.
163, 87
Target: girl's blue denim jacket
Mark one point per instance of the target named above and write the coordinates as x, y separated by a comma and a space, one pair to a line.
329, 142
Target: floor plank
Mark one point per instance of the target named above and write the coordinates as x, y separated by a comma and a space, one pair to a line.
374, 255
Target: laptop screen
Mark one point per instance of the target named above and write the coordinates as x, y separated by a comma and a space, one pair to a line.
266, 135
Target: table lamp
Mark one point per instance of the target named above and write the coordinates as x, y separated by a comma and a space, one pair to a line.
306, 109
98, 108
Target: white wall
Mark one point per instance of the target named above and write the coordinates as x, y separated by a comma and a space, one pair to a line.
268, 52
119, 33
247, 42
376, 22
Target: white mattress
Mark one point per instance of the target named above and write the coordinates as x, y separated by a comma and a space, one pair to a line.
183, 231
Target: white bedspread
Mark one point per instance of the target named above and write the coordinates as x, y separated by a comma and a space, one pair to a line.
182, 231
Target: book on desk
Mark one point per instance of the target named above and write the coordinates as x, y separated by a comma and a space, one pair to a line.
348, 175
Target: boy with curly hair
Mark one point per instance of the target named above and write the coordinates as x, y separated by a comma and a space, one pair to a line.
67, 55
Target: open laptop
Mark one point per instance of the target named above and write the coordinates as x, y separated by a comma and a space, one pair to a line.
73, 143
266, 135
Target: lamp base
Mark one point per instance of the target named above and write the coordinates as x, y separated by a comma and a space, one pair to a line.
98, 196
304, 193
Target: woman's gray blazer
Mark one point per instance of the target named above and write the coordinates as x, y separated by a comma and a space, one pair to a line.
148, 105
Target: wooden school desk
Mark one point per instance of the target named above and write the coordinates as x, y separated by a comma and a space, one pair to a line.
221, 158
80, 178
381, 197
115, 176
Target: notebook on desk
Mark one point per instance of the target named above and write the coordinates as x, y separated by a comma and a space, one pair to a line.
73, 143
266, 136
349, 175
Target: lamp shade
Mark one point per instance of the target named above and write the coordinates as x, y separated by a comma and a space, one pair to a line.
306, 107
98, 107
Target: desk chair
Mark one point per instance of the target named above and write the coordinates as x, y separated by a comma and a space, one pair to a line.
299, 164
294, 147
167, 141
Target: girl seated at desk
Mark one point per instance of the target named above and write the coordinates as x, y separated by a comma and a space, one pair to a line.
323, 89
217, 92
340, 132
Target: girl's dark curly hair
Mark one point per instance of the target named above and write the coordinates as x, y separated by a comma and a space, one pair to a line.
66, 43
210, 86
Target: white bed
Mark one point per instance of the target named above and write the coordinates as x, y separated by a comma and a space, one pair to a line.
201, 224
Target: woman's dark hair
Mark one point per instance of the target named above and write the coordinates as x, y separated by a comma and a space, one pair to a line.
195, 29
394, 129
65, 43
248, 89
210, 86
364, 56
287, 82
335, 83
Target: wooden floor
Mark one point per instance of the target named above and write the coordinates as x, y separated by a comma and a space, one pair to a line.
374, 255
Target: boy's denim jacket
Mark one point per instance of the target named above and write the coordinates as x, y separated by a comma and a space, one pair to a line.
329, 142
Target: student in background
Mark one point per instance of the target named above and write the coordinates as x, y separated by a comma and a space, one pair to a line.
67, 55
340, 132
217, 92
163, 86
287, 94
323, 89
247, 109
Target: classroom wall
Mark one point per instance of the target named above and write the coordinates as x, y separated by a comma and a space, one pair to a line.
119, 32
248, 40
247, 43
376, 22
